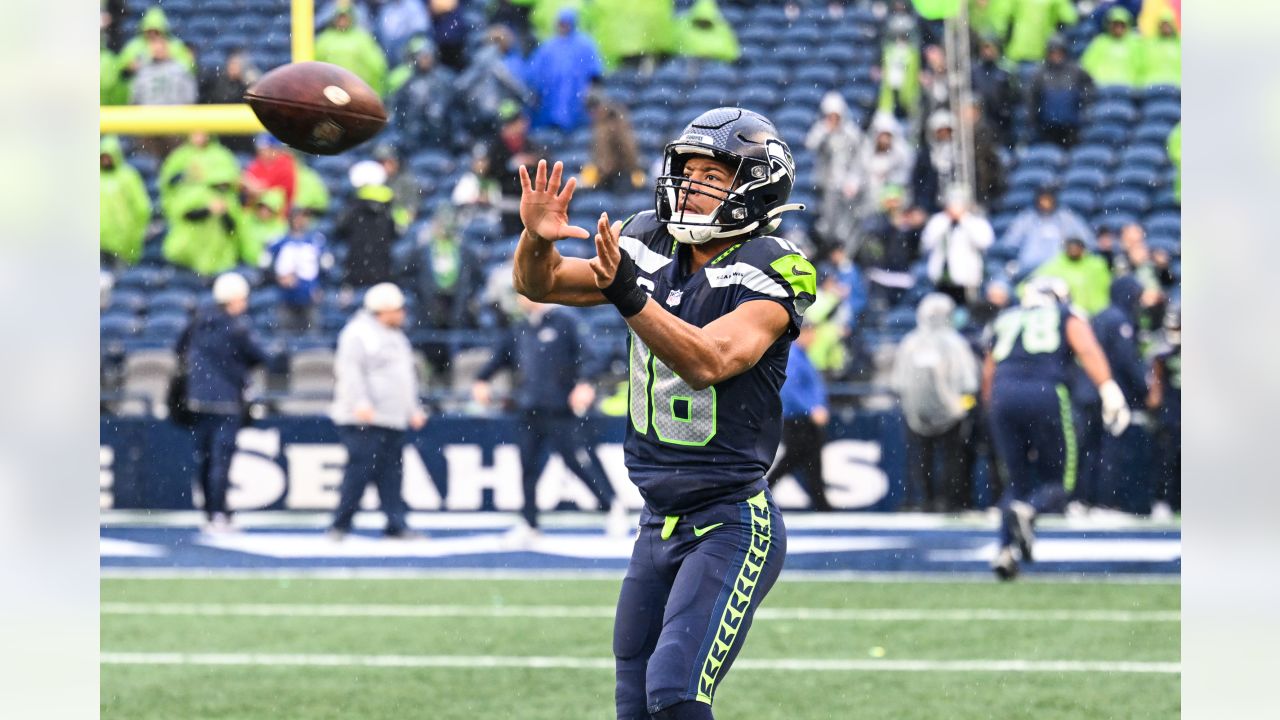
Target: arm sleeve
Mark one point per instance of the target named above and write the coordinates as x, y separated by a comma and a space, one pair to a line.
248, 348
980, 232
502, 358
348, 365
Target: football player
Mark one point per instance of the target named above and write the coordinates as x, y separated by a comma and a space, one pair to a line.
1024, 386
713, 303
1165, 398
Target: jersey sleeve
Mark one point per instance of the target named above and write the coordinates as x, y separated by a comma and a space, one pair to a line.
770, 268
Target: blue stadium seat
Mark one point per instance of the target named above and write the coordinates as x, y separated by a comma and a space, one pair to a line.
717, 72
1017, 199
1165, 110
836, 55
1002, 252
1125, 200
863, 97
118, 327
706, 97
1031, 178
823, 76
1111, 112
654, 117
674, 72
1099, 156
1081, 199
1162, 93
759, 98
1139, 177
1155, 132
1108, 93
267, 297
183, 278
1164, 223
1105, 134
791, 54
1044, 155
143, 277
1112, 221
1151, 156
801, 96
758, 36
1000, 223
126, 301
770, 75
899, 320
805, 37
431, 163
165, 326
1088, 178
1166, 200
176, 300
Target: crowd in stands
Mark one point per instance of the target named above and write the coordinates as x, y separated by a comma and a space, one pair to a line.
1076, 155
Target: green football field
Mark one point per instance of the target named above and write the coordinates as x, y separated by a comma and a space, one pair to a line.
539, 648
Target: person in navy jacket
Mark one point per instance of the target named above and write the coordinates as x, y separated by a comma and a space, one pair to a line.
804, 422
219, 352
1124, 472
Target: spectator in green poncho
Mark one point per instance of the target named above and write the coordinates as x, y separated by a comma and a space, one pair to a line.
702, 32
204, 225
1115, 56
629, 30
1027, 25
123, 205
1162, 54
112, 89
154, 26
201, 156
354, 48
262, 225
310, 192
1175, 157
985, 16
1085, 273
900, 76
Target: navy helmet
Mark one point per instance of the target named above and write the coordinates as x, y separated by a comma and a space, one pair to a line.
763, 174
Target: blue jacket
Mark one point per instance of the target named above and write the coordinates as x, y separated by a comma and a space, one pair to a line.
1116, 328
547, 357
804, 389
219, 353
560, 72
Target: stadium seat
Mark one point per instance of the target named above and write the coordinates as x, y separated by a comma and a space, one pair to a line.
1081, 199
176, 300
1155, 132
836, 55
1164, 223
165, 327
1000, 222
146, 377
804, 37
118, 326
791, 54
1138, 177
1099, 156
1031, 178
1105, 134
1090, 178
430, 163
705, 97
311, 382
761, 99
899, 320
1017, 199
862, 96
1112, 221
143, 277
1111, 112
1110, 93
1044, 156
1150, 156
1124, 200
760, 37
126, 301
717, 72
823, 76
801, 96
1165, 110
1162, 93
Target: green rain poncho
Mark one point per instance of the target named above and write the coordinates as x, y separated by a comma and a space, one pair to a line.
900, 85
356, 50
702, 32
309, 191
112, 89
136, 49
1162, 56
1089, 279
1175, 157
123, 206
257, 232
1114, 61
191, 164
1028, 25
198, 239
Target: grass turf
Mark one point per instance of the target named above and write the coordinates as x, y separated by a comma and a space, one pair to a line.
252, 692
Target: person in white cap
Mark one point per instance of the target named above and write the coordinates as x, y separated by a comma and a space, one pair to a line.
219, 351
375, 402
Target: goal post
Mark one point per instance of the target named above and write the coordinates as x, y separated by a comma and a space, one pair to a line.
234, 119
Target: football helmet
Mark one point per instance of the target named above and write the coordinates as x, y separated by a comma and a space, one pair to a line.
1043, 291
763, 174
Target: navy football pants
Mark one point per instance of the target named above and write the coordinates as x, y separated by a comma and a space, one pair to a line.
1035, 439
374, 454
543, 432
688, 599
215, 439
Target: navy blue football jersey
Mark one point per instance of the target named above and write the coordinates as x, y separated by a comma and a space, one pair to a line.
1030, 344
685, 448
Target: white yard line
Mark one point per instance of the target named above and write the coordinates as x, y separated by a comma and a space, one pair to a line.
572, 663
606, 612
321, 573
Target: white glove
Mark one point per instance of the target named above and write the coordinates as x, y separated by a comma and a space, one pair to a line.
1115, 410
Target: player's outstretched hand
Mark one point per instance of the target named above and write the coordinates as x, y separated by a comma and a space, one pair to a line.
608, 254
544, 205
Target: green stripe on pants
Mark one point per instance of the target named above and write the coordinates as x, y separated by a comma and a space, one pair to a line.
1069, 439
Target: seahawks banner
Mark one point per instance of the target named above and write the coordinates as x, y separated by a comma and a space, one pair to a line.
455, 463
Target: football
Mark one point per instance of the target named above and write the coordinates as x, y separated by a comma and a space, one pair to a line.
317, 107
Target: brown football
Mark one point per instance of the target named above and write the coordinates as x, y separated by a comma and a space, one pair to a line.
317, 107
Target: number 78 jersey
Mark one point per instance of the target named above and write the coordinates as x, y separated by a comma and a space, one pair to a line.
1030, 343
685, 448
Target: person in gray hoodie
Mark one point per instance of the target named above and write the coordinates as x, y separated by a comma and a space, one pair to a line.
375, 402
935, 374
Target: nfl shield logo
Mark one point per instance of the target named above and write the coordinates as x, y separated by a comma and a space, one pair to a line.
673, 299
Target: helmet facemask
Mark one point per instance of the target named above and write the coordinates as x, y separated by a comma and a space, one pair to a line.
674, 192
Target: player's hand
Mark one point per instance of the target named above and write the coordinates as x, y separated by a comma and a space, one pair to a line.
544, 205
364, 414
608, 254
1115, 409
581, 397
417, 419
481, 392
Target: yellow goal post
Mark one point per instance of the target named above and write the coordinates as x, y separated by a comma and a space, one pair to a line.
237, 119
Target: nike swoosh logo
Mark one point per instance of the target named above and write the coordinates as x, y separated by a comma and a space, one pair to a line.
797, 271
699, 532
